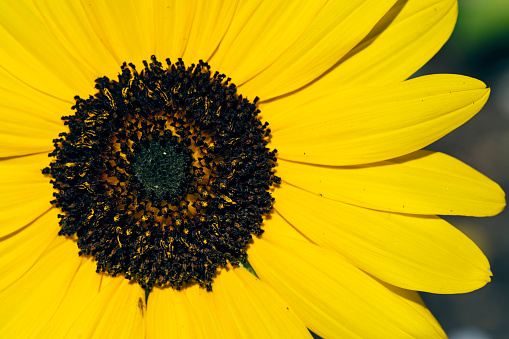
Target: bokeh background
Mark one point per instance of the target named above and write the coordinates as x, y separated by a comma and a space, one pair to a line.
479, 47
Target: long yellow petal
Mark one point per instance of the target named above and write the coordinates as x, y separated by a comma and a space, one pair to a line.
403, 41
413, 252
22, 132
32, 53
170, 315
408, 36
25, 193
333, 297
69, 23
19, 251
16, 94
28, 304
365, 125
172, 23
260, 33
126, 29
204, 306
45, 109
423, 182
240, 306
16, 145
84, 288
251, 308
209, 26
338, 28
415, 301
118, 311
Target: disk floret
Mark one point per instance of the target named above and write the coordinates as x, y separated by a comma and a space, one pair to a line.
164, 175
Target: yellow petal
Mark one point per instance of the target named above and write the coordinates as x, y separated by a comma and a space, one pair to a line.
44, 108
415, 301
203, 304
19, 251
240, 306
24, 132
69, 23
365, 125
423, 182
173, 21
338, 27
84, 288
17, 145
332, 297
210, 23
31, 52
16, 94
413, 252
407, 37
126, 29
170, 315
26, 193
29, 303
259, 33
116, 312
250, 308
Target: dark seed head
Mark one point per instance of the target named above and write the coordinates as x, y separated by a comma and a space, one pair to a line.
164, 174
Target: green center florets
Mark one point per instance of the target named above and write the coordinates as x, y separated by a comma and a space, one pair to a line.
164, 171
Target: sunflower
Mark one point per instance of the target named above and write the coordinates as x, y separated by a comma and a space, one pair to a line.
231, 169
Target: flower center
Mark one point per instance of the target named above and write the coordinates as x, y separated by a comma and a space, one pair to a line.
164, 175
163, 170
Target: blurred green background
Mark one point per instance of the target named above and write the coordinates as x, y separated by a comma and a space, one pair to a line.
479, 47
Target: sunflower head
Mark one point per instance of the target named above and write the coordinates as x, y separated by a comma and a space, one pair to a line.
165, 172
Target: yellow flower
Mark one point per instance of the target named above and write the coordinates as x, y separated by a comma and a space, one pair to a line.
353, 232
